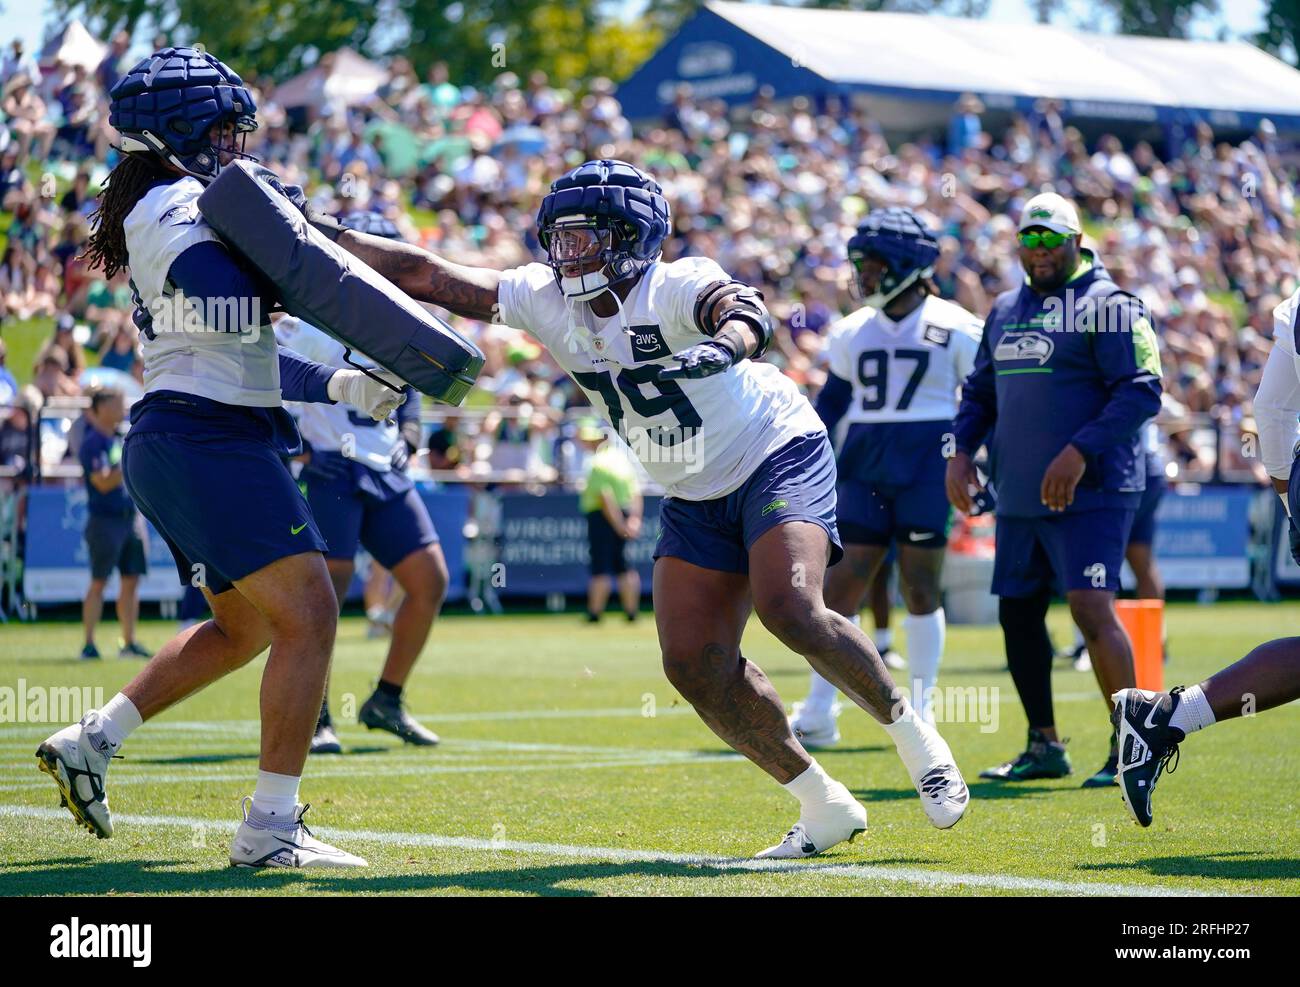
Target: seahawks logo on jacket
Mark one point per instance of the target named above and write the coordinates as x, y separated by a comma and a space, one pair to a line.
1018, 346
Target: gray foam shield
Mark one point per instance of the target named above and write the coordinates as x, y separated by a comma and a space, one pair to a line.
325, 285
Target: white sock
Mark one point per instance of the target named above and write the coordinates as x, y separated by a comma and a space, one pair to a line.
884, 638
925, 635
118, 720
1193, 711
821, 695
274, 800
919, 745
812, 788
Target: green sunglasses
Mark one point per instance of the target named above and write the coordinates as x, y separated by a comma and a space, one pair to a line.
1050, 239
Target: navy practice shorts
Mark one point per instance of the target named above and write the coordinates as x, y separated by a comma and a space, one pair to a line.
795, 483
1063, 552
354, 505
1144, 521
892, 485
227, 506
115, 543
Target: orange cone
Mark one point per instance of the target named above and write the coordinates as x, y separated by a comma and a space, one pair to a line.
1144, 620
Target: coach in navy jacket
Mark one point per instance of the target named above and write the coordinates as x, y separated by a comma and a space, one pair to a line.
1067, 373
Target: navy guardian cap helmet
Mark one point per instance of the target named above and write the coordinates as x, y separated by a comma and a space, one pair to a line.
603, 223
167, 105
900, 240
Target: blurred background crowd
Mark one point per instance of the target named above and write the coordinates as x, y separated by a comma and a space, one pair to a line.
1204, 232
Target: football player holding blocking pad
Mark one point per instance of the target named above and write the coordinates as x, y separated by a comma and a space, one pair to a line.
896, 366
203, 458
664, 351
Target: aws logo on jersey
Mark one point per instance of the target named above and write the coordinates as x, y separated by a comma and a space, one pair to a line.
1023, 347
939, 335
648, 343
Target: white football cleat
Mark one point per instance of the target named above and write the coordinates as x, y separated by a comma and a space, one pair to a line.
943, 791
944, 796
294, 847
77, 759
893, 659
834, 822
813, 728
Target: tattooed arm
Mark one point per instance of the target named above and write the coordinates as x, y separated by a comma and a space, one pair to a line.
426, 277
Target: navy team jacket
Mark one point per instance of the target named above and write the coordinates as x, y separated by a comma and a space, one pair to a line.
1078, 366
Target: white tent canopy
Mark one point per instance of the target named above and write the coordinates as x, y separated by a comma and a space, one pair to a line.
74, 45
342, 76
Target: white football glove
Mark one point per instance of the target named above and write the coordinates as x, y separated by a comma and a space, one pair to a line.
366, 394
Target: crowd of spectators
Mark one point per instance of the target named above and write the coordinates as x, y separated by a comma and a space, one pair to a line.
1204, 232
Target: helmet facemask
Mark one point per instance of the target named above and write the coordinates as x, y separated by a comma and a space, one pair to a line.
588, 256
888, 286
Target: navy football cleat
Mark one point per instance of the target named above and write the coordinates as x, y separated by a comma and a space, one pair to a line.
1148, 745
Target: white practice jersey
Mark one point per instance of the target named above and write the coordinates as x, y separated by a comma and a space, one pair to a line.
699, 439
906, 371
181, 352
1277, 402
337, 427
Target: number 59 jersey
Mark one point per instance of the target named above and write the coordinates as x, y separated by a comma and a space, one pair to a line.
905, 371
699, 439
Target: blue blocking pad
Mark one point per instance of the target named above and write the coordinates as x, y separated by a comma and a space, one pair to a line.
325, 285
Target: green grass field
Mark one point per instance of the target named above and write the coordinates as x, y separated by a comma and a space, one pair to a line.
569, 767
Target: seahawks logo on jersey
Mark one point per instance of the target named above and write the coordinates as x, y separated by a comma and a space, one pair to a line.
1018, 346
185, 214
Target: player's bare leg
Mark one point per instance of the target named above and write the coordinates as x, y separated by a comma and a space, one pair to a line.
1141, 559
1111, 653
201, 654
847, 588
289, 604
787, 566
1151, 725
881, 604
1093, 611
295, 598
422, 575
701, 614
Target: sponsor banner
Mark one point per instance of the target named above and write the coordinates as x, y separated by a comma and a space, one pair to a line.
544, 544
56, 568
1202, 538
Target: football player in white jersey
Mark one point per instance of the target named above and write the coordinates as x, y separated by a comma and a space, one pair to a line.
359, 494
663, 350
203, 457
1151, 725
895, 369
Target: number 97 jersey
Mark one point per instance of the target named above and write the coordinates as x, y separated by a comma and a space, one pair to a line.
699, 439
905, 371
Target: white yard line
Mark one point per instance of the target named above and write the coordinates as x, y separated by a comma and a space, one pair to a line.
389, 770
803, 870
251, 726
